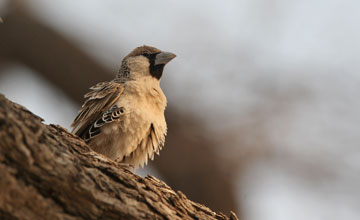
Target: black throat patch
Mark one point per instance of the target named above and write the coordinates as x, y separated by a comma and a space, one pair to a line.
155, 70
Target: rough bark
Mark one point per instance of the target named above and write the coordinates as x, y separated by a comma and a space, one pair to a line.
48, 173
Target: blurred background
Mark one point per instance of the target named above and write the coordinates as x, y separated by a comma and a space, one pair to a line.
263, 96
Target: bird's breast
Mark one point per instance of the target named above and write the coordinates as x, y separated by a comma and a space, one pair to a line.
142, 128
144, 103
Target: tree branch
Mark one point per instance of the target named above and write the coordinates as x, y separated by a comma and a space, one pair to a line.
48, 173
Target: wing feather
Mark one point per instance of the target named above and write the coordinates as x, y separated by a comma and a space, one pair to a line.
99, 102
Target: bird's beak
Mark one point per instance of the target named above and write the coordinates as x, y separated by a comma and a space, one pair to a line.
164, 58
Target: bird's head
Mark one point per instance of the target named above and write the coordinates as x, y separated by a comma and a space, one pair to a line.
145, 61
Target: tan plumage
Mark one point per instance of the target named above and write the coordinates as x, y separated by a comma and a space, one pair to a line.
124, 118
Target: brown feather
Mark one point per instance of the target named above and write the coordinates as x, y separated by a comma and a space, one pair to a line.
98, 101
143, 50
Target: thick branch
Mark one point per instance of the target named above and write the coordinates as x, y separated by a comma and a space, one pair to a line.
23, 39
48, 173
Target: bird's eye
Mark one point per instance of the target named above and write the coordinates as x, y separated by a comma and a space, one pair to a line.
146, 55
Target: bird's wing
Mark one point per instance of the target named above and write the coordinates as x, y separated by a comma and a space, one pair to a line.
98, 109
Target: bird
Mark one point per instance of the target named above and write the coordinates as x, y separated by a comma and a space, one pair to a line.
123, 119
